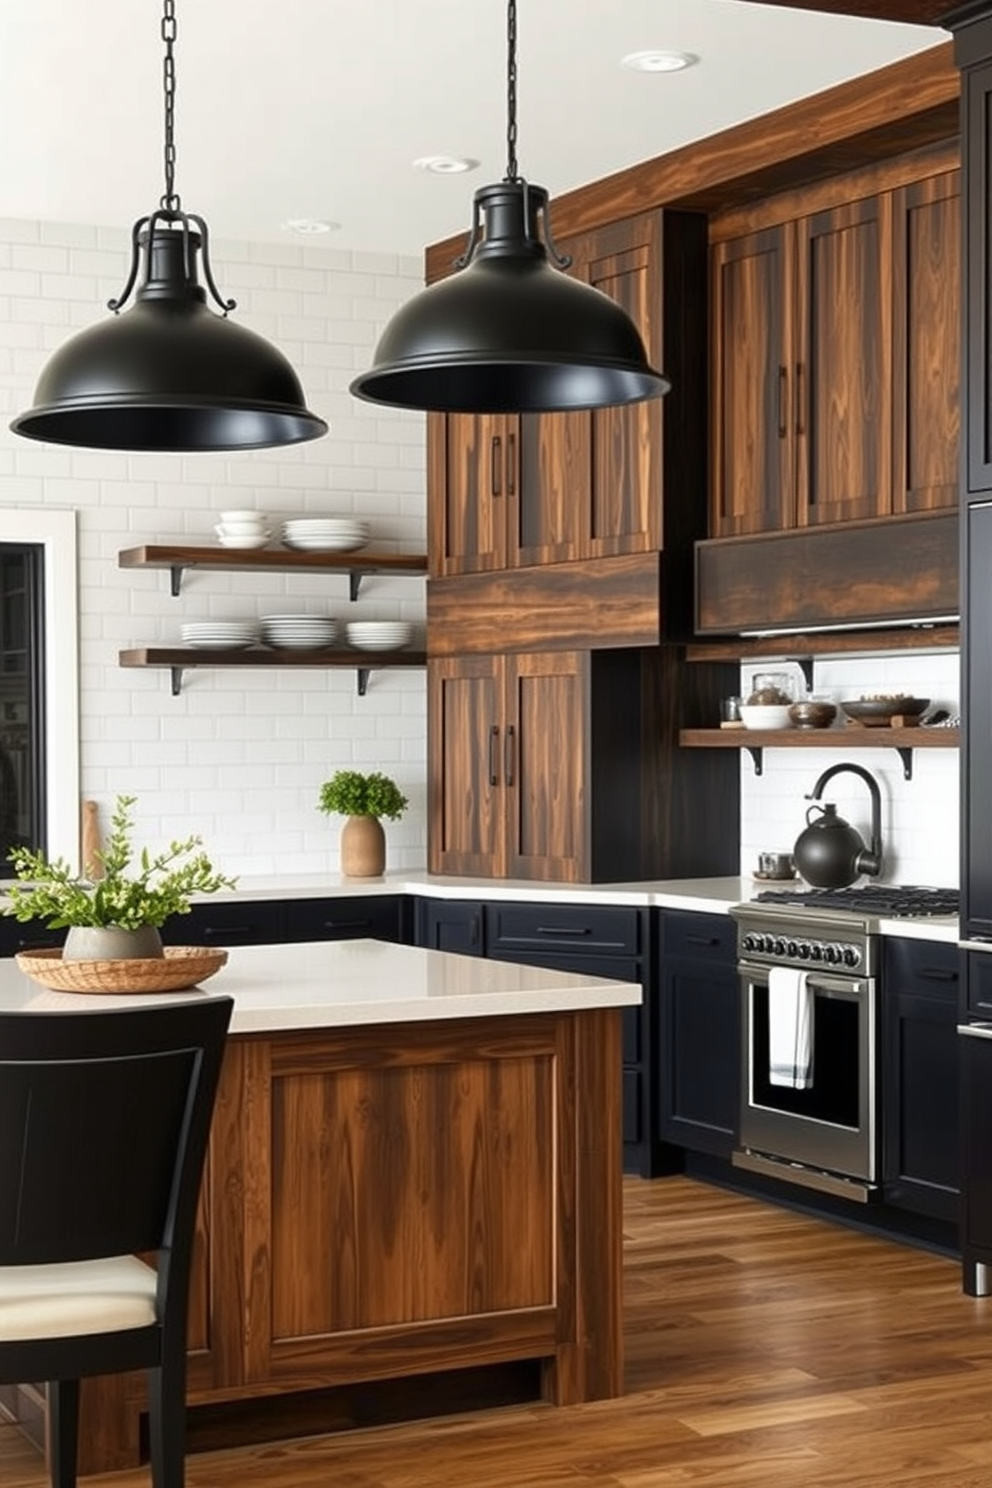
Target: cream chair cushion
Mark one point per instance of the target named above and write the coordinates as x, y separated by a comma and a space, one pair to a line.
104, 1296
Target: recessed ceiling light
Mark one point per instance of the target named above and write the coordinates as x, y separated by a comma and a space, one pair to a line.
309, 226
445, 165
659, 61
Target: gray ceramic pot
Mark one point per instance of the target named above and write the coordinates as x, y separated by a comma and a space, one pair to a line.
111, 943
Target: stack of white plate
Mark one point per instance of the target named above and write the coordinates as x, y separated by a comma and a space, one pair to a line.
325, 534
379, 635
299, 632
220, 635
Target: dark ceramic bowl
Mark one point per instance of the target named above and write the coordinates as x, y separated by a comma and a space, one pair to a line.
813, 714
879, 712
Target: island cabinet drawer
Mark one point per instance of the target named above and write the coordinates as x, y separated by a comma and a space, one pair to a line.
359, 917
228, 923
695, 934
575, 930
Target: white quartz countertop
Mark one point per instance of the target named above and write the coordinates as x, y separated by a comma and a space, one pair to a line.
708, 895
351, 983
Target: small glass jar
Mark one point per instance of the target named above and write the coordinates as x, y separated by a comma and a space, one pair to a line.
773, 688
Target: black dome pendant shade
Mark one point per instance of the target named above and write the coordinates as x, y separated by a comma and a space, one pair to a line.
169, 374
509, 333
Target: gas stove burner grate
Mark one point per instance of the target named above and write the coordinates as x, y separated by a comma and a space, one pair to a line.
902, 902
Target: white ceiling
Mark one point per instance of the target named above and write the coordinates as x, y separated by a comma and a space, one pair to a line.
317, 108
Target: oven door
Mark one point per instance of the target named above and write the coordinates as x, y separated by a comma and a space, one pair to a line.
823, 1135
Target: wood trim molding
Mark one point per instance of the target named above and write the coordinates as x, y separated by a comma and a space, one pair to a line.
898, 108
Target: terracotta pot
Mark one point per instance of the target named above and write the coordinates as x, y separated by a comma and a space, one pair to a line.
363, 847
111, 943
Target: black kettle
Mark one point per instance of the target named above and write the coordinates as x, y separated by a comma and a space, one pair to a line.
829, 853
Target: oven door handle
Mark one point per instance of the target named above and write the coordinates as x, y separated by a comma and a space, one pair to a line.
975, 1030
842, 986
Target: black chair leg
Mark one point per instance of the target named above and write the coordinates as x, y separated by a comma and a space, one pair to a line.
63, 1431
167, 1423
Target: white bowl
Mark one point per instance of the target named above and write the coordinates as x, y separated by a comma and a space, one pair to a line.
765, 716
240, 529
244, 542
244, 515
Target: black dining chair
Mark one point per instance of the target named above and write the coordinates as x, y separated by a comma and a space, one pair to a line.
104, 1120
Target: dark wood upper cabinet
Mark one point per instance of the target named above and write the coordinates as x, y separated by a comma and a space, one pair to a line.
513, 491
835, 360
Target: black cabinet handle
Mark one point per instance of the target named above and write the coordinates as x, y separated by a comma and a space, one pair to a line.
783, 384
496, 449
493, 750
800, 420
563, 930
511, 459
703, 940
936, 974
210, 932
509, 754
347, 924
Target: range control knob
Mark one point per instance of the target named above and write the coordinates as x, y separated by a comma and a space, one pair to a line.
832, 954
778, 946
805, 950
792, 948
751, 942
852, 956
816, 950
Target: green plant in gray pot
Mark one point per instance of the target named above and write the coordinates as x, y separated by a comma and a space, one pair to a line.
117, 913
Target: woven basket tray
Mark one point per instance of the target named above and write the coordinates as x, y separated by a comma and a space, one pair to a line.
181, 967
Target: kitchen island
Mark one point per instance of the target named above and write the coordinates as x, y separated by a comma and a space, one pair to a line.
415, 1166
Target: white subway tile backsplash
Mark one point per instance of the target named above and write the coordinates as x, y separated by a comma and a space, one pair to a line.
919, 816
240, 754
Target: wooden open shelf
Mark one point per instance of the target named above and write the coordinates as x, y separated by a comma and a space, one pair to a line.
178, 659
755, 741
357, 565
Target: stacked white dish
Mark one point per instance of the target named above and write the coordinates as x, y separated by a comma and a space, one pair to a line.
326, 534
299, 632
220, 635
379, 635
243, 529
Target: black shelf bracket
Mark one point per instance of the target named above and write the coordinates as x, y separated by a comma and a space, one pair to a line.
176, 579
363, 680
757, 757
177, 680
905, 753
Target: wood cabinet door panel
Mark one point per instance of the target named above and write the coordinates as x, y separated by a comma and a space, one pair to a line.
465, 748
927, 343
467, 481
753, 484
548, 488
843, 402
545, 775
407, 1194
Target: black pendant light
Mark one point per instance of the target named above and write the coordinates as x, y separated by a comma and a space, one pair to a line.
509, 333
169, 374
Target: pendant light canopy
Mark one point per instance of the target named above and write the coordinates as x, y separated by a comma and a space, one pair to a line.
509, 333
169, 374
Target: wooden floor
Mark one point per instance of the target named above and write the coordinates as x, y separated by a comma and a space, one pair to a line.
764, 1350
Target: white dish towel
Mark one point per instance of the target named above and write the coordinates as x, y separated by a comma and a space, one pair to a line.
790, 1028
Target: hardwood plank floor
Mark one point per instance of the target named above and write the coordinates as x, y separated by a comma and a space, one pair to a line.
764, 1350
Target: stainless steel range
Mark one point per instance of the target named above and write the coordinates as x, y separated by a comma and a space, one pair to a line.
808, 965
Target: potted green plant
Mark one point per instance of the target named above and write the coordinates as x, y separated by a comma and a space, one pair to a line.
362, 800
116, 913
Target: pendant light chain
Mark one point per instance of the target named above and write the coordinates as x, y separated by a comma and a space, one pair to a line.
170, 201
512, 173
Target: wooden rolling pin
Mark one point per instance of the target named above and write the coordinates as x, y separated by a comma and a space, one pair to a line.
92, 843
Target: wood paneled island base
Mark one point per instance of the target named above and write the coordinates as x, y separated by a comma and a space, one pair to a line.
399, 1199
